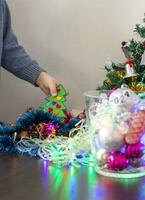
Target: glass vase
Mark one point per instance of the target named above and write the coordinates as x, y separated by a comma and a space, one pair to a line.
116, 124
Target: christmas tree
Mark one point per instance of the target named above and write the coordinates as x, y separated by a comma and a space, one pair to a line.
132, 71
55, 104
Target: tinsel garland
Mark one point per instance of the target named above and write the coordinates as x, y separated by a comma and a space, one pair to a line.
6, 129
65, 128
37, 116
8, 132
7, 138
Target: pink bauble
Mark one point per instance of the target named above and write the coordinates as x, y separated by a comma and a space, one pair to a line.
134, 150
50, 129
117, 161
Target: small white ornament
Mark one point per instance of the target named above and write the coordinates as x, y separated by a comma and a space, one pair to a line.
116, 98
123, 96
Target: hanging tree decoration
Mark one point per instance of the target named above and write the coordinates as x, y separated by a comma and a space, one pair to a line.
138, 86
129, 69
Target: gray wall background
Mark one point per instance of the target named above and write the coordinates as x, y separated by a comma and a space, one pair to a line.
71, 39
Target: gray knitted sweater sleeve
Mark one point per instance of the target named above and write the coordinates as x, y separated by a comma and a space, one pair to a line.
14, 57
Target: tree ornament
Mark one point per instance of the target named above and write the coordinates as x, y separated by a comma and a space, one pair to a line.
24, 134
56, 104
35, 131
137, 86
117, 161
116, 98
110, 139
107, 84
129, 70
134, 150
50, 129
119, 73
122, 96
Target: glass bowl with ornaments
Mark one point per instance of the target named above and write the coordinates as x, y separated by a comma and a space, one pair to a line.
116, 124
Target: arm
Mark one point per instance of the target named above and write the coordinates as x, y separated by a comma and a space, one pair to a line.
17, 61
14, 57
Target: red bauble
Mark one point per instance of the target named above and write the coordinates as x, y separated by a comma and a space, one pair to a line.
134, 150
117, 161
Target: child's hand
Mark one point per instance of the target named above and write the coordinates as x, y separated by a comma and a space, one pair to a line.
47, 83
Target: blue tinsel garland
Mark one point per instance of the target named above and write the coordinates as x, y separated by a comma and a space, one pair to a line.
25, 121
34, 117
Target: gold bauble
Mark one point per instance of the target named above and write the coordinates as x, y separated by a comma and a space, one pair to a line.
137, 86
119, 73
24, 134
108, 82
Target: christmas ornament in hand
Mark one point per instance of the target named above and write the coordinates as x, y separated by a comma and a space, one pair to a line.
56, 104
